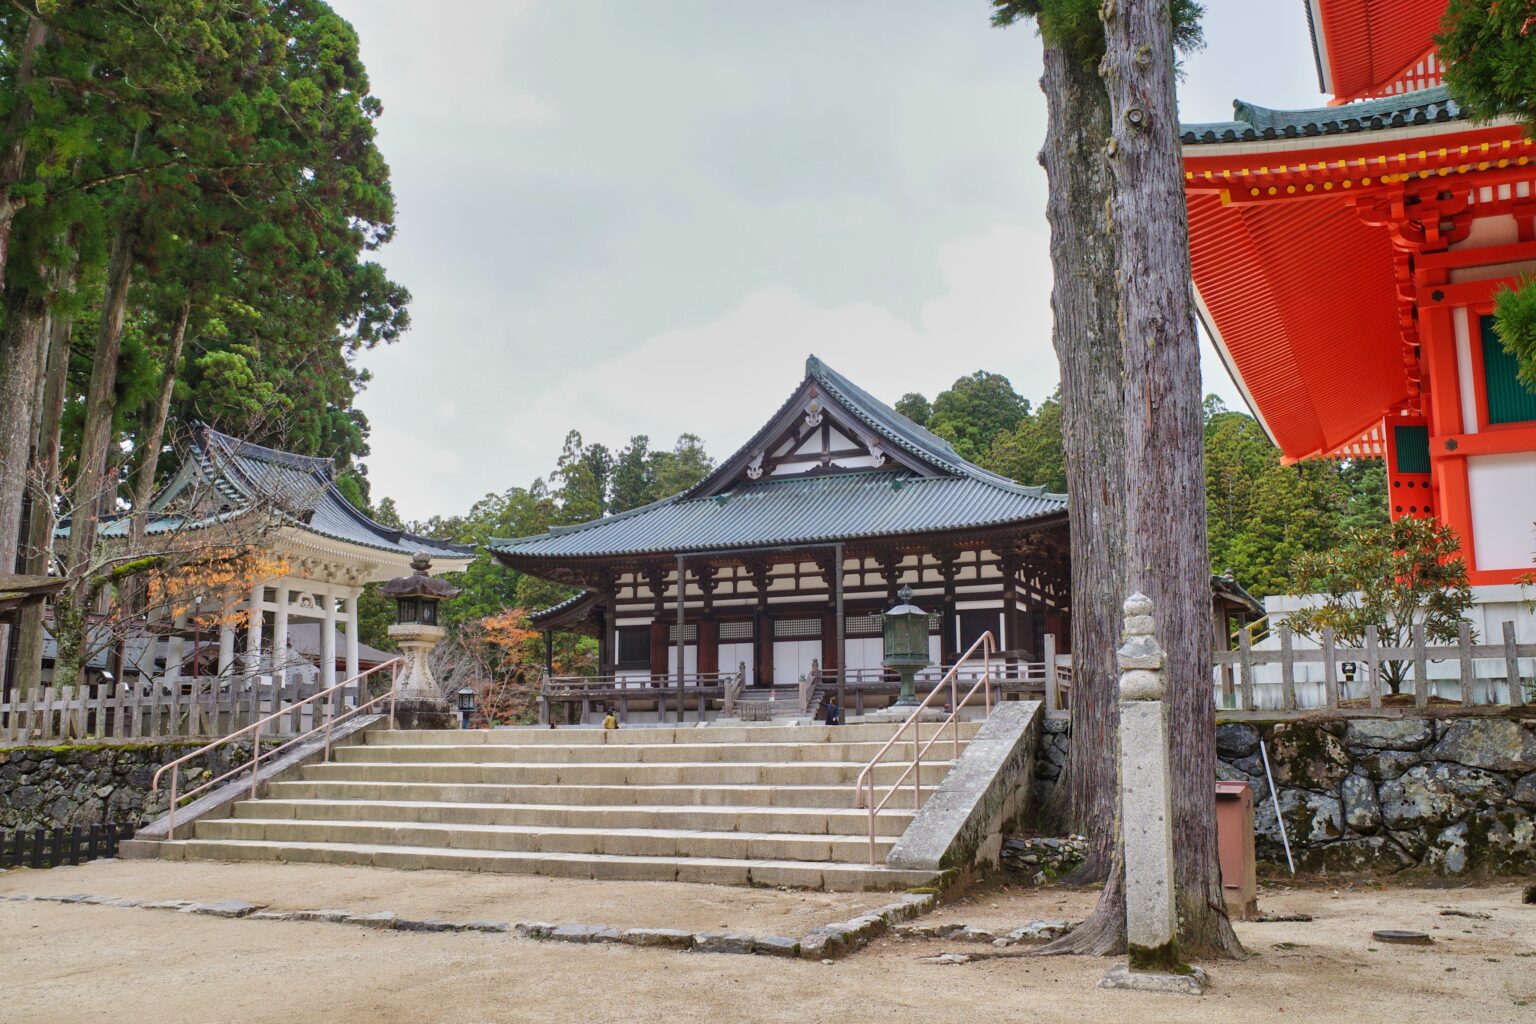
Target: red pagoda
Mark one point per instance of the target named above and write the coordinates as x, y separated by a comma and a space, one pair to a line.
1346, 260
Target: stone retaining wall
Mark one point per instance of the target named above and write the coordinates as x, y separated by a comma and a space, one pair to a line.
87, 784
1454, 797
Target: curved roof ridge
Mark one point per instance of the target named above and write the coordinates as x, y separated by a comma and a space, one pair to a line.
1253, 122
261, 453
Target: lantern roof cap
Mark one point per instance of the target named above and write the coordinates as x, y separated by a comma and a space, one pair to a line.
905, 607
419, 584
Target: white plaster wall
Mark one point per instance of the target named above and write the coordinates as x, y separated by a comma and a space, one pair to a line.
1503, 496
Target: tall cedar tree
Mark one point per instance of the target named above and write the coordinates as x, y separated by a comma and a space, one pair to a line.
1086, 337
1165, 478
228, 153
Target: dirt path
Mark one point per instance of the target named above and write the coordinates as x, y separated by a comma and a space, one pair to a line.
454, 895
80, 963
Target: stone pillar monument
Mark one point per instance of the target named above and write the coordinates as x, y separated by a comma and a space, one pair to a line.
1146, 816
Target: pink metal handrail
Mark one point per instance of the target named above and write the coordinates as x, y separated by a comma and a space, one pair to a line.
988, 646
257, 754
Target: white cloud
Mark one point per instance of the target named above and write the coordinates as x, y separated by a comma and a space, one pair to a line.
722, 379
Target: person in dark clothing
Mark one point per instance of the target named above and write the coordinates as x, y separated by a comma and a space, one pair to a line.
833, 715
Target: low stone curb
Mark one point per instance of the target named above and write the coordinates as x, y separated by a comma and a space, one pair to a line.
825, 943
1031, 933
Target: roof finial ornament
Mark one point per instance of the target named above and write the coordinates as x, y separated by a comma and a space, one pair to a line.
421, 563
755, 467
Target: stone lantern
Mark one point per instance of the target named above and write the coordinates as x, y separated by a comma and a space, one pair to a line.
420, 703
906, 645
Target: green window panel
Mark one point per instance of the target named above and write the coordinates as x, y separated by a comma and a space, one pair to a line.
1412, 444
1509, 401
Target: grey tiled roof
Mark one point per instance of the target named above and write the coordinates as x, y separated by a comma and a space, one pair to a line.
726, 512
1253, 123
795, 510
300, 489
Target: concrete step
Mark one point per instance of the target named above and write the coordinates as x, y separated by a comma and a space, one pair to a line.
797, 773
618, 795
844, 821
720, 871
635, 753
877, 732
625, 842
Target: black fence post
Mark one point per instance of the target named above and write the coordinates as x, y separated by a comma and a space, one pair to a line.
93, 842
37, 847
74, 845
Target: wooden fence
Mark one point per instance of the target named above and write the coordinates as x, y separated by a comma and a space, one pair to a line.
1367, 685
193, 708
53, 847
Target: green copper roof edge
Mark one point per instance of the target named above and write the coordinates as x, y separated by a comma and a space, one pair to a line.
1252, 122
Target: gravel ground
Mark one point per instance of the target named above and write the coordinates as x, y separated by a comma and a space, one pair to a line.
84, 963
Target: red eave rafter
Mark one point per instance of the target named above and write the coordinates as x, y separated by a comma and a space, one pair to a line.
1368, 43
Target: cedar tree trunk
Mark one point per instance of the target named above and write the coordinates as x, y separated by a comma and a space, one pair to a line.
1165, 476
94, 487
153, 437
92, 471
13, 159
26, 325
29, 646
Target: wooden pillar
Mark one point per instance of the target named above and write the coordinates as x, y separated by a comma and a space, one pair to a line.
682, 640
605, 642
948, 570
658, 583
841, 617
762, 630
829, 658
890, 569
1010, 640
708, 651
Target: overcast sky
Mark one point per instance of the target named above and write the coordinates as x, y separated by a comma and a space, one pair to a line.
639, 216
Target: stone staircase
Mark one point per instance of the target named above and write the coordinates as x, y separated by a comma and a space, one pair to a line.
743, 805
765, 704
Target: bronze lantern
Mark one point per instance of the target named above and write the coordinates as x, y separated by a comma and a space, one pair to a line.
906, 644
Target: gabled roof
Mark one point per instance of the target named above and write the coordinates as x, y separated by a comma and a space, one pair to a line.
923, 487
1252, 123
299, 490
918, 449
